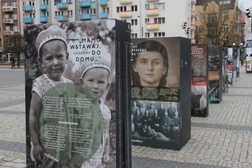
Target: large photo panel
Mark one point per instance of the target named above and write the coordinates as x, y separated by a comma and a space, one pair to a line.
155, 92
70, 73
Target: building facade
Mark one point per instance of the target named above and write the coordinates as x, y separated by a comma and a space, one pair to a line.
154, 18
148, 18
9, 25
219, 22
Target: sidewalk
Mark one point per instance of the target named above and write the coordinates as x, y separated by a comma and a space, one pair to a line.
223, 139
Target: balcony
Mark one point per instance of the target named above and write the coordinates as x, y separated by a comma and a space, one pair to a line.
7, 9
43, 19
8, 21
85, 17
28, 20
63, 18
63, 5
192, 27
126, 14
43, 7
103, 15
125, 2
152, 0
85, 4
193, 41
9, 45
8, 32
103, 2
27, 8
152, 12
193, 13
152, 26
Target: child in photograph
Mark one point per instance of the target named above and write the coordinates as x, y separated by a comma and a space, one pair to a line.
52, 51
95, 79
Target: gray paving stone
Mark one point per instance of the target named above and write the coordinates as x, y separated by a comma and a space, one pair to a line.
223, 139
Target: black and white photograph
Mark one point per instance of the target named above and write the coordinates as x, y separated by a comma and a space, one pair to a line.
71, 103
154, 123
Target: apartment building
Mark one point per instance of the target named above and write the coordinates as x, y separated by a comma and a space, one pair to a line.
149, 18
219, 22
9, 25
53, 11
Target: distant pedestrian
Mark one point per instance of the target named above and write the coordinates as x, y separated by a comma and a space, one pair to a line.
12, 59
242, 60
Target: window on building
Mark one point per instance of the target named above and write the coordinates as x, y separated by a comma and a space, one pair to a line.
225, 27
134, 8
14, 16
7, 28
212, 31
59, 13
45, 2
212, 41
134, 35
5, 4
159, 34
14, 4
160, 20
147, 35
237, 17
23, 3
200, 29
201, 17
147, 20
6, 16
69, 1
106, 9
31, 3
133, 21
160, 6
212, 17
225, 2
121, 9
225, 15
225, 39
57, 1
46, 14
91, 11
15, 28
237, 29
70, 13
147, 6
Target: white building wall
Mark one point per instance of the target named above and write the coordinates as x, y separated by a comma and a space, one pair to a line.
176, 12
